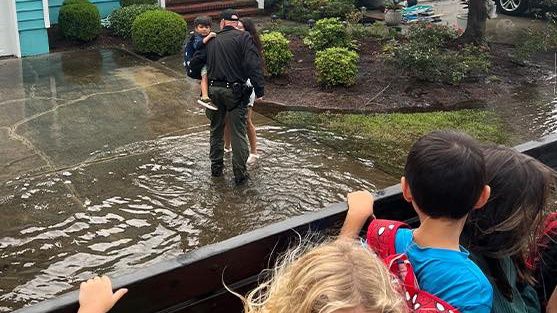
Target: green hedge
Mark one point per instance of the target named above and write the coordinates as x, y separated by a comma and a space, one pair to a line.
80, 21
125, 3
336, 66
159, 32
68, 2
121, 20
302, 10
424, 55
276, 53
328, 33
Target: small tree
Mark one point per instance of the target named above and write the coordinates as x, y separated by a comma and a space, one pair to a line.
476, 25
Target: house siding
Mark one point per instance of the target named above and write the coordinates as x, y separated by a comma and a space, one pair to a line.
33, 37
105, 8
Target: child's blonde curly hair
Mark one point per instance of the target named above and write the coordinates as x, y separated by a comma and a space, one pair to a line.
335, 276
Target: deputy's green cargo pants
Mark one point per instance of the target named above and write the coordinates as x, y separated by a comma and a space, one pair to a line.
226, 100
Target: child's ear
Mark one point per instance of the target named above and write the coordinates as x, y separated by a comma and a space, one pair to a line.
406, 193
484, 196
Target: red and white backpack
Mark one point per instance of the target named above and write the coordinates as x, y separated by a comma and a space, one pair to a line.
381, 238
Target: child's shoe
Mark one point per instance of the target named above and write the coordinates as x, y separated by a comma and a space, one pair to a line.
227, 150
206, 102
252, 159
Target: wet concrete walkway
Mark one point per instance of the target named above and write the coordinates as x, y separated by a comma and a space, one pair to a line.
104, 168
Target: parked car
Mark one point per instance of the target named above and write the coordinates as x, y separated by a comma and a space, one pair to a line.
512, 7
540, 8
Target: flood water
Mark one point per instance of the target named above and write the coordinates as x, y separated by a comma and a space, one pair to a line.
105, 170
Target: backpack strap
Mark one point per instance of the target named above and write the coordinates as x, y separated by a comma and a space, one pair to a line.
381, 235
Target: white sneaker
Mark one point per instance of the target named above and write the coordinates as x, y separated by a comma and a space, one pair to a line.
252, 158
207, 103
227, 150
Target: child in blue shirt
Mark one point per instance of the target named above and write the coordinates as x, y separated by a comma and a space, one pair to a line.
201, 35
444, 179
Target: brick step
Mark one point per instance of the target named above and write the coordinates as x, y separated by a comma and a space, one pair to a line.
211, 6
243, 12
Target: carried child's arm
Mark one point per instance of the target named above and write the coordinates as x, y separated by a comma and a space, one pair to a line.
209, 37
360, 209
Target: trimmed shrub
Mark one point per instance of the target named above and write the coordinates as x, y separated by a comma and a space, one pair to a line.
68, 2
336, 66
159, 32
534, 40
328, 33
424, 56
125, 3
80, 21
276, 53
121, 20
302, 10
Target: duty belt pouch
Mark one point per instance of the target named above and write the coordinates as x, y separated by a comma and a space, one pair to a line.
246, 93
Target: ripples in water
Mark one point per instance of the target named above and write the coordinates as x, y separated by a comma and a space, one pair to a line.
153, 200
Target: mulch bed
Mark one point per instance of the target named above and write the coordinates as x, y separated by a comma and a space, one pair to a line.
381, 88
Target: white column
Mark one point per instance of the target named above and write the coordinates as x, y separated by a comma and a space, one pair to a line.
15, 29
261, 4
46, 14
162, 3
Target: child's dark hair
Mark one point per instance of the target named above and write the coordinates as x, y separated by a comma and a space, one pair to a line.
249, 26
202, 20
446, 174
507, 224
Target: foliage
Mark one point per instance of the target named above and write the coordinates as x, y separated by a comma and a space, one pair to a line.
432, 34
328, 33
159, 32
299, 30
303, 10
377, 31
424, 56
535, 41
68, 2
336, 66
276, 53
393, 5
80, 21
125, 3
386, 138
121, 20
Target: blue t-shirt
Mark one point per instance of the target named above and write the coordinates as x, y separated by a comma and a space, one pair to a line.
448, 274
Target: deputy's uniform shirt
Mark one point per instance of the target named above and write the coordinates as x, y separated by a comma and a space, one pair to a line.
232, 57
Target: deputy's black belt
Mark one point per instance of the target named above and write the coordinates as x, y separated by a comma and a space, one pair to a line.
216, 83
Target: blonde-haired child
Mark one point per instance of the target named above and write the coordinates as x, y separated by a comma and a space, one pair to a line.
341, 276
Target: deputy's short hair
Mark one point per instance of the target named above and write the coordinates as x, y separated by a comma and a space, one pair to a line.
230, 15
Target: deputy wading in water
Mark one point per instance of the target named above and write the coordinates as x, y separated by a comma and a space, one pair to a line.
231, 58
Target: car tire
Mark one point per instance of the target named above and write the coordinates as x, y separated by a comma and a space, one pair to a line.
512, 7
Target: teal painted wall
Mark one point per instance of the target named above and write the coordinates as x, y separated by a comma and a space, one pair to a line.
105, 8
33, 37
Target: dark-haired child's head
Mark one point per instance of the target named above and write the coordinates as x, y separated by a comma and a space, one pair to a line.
520, 189
202, 25
444, 176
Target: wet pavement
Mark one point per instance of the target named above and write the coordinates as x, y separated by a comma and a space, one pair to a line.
104, 169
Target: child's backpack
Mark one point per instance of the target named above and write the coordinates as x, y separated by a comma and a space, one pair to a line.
189, 52
381, 238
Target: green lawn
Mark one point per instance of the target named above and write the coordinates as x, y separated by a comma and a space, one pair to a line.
386, 138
